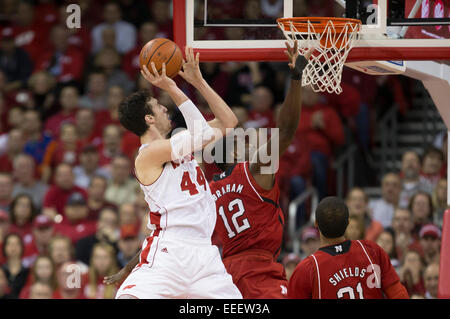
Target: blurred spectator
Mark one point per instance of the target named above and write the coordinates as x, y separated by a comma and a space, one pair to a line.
41, 290
69, 101
383, 208
6, 188
68, 287
60, 250
322, 128
111, 144
290, 261
160, 12
135, 11
103, 263
42, 85
128, 214
37, 140
61, 60
107, 231
129, 243
130, 62
42, 271
25, 182
402, 224
86, 127
386, 240
14, 61
125, 32
109, 61
66, 149
14, 270
115, 96
121, 188
4, 230
411, 180
439, 198
88, 167
14, 146
271, 8
244, 78
79, 38
431, 281
310, 241
22, 213
411, 272
109, 38
96, 197
430, 241
357, 202
57, 195
261, 113
42, 232
432, 162
95, 96
15, 117
28, 32
421, 208
4, 286
76, 224
355, 229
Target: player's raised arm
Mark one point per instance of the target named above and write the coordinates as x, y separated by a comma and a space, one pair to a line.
198, 133
224, 116
288, 116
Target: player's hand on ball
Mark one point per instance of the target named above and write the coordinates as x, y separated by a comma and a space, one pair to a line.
191, 68
161, 81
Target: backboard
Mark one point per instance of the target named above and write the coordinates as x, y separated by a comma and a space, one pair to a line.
246, 30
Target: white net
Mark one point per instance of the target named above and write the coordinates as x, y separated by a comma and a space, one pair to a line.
332, 45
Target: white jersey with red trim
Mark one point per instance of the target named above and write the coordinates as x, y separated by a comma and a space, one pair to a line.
180, 201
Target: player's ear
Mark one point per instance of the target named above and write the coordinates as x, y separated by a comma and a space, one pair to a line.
149, 119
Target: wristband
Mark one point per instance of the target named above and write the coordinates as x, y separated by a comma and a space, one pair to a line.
300, 65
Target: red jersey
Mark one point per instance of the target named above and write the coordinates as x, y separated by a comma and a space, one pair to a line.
249, 217
354, 269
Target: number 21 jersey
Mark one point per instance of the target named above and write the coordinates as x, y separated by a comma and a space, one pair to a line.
248, 216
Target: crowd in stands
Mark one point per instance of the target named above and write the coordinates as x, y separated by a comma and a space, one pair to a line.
69, 203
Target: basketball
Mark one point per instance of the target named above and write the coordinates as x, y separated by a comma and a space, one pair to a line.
159, 51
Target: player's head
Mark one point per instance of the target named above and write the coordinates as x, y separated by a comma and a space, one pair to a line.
140, 112
235, 148
332, 217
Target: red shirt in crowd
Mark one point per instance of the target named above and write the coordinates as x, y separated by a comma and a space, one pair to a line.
322, 140
76, 231
53, 124
56, 197
71, 63
260, 119
353, 269
24, 231
32, 38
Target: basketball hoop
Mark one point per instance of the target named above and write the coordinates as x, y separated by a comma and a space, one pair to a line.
332, 38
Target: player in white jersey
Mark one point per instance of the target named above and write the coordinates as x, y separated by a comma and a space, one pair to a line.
177, 260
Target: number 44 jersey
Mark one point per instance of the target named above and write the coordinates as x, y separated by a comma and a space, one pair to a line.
249, 217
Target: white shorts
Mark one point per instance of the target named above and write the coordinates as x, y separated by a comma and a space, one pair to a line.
181, 269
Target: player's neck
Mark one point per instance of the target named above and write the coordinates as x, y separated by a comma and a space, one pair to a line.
330, 241
150, 136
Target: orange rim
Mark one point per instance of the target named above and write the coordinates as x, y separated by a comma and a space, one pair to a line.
319, 23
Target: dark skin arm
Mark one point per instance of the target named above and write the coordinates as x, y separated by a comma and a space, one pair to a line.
124, 272
288, 117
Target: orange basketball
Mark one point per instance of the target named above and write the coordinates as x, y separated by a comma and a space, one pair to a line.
159, 51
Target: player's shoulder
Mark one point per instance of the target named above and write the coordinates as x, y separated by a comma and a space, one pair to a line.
370, 246
218, 178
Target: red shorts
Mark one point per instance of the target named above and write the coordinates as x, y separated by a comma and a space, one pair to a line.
257, 275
